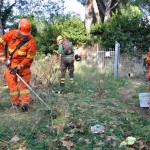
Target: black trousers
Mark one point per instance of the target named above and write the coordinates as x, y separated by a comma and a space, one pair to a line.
67, 63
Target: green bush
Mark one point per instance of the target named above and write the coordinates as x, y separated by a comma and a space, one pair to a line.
128, 28
67, 26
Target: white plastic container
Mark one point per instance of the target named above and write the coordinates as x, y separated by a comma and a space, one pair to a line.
144, 99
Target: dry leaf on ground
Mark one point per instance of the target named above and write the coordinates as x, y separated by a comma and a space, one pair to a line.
15, 139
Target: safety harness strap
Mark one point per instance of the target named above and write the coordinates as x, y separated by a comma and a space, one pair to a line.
17, 47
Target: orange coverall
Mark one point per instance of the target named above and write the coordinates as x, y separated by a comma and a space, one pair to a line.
148, 67
19, 93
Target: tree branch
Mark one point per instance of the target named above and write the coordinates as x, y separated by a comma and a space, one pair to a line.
115, 5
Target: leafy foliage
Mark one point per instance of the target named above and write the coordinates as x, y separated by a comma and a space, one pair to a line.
10, 11
33, 22
39, 9
71, 28
48, 21
126, 28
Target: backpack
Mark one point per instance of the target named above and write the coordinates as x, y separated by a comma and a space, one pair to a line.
67, 47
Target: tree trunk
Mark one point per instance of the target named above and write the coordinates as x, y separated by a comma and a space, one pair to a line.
107, 15
107, 4
96, 11
106, 7
91, 11
1, 27
88, 14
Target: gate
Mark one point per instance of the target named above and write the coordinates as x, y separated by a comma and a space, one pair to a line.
105, 58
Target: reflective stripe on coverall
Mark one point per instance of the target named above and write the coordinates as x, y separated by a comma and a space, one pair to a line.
19, 94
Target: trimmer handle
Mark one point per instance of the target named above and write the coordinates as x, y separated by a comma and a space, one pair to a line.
12, 70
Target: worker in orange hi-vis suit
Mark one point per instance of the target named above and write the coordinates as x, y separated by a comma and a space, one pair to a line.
147, 61
20, 54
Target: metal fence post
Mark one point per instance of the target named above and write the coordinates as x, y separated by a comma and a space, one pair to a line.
116, 64
97, 53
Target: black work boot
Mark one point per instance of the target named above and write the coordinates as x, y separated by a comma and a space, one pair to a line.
25, 107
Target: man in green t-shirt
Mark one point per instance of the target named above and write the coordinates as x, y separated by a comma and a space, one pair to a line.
66, 57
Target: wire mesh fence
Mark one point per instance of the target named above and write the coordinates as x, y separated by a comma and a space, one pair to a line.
104, 59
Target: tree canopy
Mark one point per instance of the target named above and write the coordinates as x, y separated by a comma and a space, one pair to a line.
125, 22
128, 28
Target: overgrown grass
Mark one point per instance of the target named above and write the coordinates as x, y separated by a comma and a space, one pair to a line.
93, 99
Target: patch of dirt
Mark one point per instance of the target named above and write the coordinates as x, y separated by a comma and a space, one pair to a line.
127, 93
